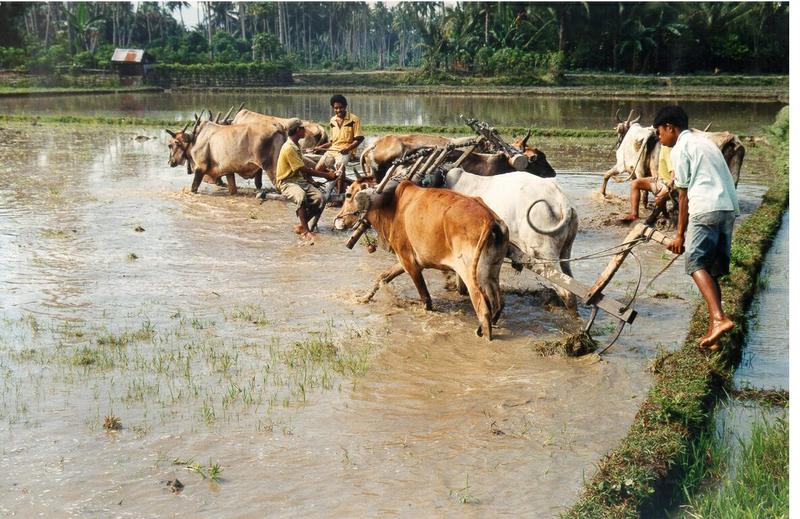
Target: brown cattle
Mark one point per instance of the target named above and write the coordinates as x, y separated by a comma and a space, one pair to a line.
217, 150
436, 228
376, 159
315, 133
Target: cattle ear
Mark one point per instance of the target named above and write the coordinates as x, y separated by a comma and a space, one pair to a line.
171, 133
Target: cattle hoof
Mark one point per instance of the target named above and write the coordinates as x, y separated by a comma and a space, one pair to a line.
479, 331
428, 306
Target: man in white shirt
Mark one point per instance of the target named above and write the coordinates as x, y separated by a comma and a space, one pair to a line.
707, 206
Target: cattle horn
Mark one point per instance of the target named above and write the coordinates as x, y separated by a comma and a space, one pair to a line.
219, 114
525, 140
197, 122
225, 120
707, 127
638, 116
617, 115
172, 134
239, 109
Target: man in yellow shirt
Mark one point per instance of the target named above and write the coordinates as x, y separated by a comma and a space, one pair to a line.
293, 179
659, 185
346, 136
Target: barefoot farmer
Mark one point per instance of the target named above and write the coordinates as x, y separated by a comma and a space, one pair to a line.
294, 179
707, 206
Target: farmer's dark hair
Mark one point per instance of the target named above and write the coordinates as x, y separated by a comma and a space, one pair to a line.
672, 114
338, 98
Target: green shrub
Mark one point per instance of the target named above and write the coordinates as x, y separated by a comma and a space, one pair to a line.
84, 60
12, 57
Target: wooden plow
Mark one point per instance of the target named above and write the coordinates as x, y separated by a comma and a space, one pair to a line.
593, 296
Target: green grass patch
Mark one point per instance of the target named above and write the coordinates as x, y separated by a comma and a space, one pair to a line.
640, 474
760, 487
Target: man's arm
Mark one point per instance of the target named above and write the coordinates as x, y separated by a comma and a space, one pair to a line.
353, 145
676, 245
311, 172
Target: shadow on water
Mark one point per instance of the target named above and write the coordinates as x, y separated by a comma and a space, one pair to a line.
216, 336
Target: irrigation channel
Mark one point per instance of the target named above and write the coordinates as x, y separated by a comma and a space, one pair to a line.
765, 358
239, 360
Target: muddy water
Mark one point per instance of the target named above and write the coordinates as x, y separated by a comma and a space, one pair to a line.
219, 339
745, 117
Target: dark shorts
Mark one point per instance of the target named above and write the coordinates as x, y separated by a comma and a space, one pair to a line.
709, 243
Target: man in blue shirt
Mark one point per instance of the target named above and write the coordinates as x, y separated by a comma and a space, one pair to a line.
707, 206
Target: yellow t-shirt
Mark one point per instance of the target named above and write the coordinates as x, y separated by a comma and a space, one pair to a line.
290, 161
342, 135
665, 164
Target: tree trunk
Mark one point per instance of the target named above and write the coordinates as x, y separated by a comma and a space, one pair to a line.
210, 31
486, 23
242, 16
147, 24
47, 26
69, 29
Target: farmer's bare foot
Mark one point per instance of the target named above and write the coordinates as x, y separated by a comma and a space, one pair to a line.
718, 329
309, 237
298, 229
629, 218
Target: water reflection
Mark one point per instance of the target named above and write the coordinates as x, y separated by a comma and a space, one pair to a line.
407, 109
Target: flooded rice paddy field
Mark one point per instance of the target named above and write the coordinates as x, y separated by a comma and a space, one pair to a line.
743, 117
239, 361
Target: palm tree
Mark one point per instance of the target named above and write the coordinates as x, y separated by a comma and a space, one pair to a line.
179, 6
86, 27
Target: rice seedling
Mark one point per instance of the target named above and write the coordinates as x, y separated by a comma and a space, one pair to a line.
251, 313
463, 495
112, 423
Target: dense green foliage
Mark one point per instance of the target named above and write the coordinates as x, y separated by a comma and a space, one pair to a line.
514, 39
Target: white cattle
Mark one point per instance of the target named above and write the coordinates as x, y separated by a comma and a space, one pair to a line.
639, 149
542, 222
635, 154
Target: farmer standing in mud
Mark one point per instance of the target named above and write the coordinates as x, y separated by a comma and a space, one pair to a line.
346, 136
707, 205
294, 180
